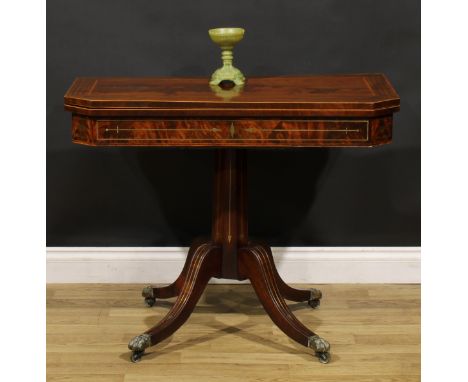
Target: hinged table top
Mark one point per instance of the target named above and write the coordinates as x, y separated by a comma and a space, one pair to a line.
325, 95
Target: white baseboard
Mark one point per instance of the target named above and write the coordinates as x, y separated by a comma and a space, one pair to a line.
314, 265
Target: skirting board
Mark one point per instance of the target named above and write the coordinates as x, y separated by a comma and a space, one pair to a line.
160, 265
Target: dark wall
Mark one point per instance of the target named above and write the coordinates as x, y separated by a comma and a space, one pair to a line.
159, 197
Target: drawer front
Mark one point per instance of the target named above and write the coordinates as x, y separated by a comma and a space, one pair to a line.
240, 133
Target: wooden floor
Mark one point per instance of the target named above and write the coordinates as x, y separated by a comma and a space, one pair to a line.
374, 332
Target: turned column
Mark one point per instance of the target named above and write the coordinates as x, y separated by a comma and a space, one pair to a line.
229, 228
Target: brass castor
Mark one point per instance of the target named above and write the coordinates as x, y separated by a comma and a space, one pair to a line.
321, 348
314, 303
149, 301
323, 357
315, 296
148, 294
136, 356
138, 345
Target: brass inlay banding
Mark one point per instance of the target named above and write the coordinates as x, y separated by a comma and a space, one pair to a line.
232, 131
213, 129
254, 129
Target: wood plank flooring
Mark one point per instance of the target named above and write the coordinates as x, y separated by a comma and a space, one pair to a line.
374, 332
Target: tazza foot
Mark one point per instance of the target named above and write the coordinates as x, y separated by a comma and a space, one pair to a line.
148, 294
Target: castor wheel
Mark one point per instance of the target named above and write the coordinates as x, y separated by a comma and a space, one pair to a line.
136, 356
150, 301
148, 294
138, 345
323, 357
315, 303
314, 299
321, 348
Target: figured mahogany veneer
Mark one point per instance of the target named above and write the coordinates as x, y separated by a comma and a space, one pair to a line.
232, 133
320, 111
313, 111
330, 95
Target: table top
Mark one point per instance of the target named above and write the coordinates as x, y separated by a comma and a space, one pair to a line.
326, 95
306, 111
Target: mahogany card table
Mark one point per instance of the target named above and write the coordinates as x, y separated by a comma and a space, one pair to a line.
269, 112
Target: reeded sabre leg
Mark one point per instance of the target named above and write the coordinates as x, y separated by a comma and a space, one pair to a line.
151, 293
204, 264
312, 296
257, 265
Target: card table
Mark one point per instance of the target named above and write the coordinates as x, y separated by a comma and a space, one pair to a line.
354, 110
